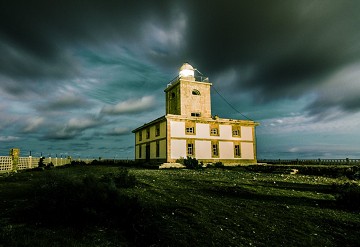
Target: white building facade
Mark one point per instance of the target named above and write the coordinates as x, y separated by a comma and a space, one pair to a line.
189, 130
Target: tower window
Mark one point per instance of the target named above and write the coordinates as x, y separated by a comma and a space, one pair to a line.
147, 133
195, 92
140, 135
195, 114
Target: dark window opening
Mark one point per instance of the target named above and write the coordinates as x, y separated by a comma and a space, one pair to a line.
214, 132
190, 130
215, 150
190, 149
157, 149
195, 92
237, 150
157, 130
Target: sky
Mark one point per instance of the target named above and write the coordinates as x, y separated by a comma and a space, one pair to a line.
77, 76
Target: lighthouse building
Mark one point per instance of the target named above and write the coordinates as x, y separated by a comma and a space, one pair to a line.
189, 130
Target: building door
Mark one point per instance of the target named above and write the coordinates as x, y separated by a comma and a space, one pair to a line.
147, 153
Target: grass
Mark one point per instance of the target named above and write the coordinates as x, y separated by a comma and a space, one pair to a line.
210, 207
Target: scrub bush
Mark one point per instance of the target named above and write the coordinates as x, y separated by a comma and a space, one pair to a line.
41, 162
78, 163
122, 179
63, 201
191, 163
348, 195
180, 160
219, 165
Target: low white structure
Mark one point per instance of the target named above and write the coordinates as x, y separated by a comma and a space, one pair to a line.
188, 129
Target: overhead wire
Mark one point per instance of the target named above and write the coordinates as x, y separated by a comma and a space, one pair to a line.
227, 102
231, 104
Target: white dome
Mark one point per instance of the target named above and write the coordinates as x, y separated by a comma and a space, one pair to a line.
186, 70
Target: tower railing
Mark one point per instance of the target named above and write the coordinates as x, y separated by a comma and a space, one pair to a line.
197, 78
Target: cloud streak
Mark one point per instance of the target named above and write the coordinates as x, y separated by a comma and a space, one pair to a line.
129, 106
8, 138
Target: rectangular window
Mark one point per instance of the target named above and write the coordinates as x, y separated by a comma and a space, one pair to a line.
140, 151
190, 149
190, 130
214, 132
215, 150
157, 149
236, 131
157, 130
237, 150
140, 135
147, 133
214, 129
195, 114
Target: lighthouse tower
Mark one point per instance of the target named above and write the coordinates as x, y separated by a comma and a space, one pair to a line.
188, 95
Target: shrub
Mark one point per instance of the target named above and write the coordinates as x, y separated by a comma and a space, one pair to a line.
261, 168
180, 160
41, 162
122, 179
191, 163
50, 166
219, 165
328, 171
348, 195
59, 200
78, 163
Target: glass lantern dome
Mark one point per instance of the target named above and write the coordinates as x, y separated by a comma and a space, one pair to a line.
186, 70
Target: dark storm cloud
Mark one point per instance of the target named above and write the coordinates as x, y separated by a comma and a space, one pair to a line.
74, 128
281, 49
278, 49
36, 36
338, 95
65, 102
326, 108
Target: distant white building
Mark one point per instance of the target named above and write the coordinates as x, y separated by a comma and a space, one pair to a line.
189, 129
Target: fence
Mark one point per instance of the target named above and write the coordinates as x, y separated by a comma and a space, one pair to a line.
311, 161
6, 162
